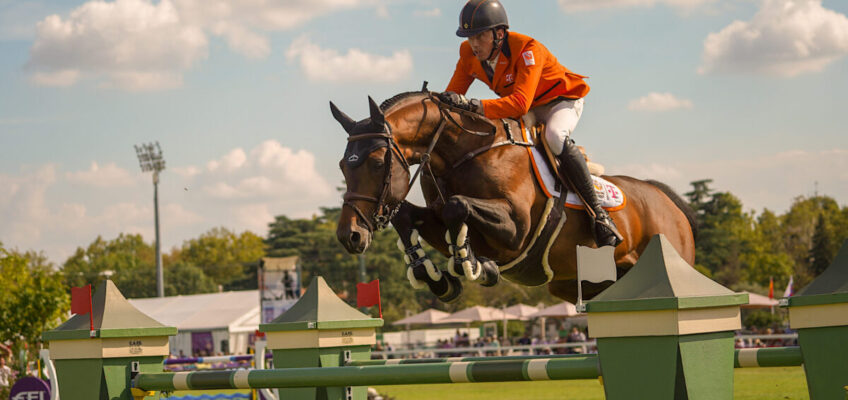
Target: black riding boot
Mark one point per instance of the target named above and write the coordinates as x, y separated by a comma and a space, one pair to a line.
572, 166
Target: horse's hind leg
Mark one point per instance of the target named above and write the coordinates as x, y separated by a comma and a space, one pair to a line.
411, 223
489, 216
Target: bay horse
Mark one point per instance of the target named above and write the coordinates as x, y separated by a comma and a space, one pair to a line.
484, 208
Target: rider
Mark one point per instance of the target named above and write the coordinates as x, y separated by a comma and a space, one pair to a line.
528, 78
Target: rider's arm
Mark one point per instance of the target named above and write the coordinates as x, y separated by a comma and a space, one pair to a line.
462, 79
527, 75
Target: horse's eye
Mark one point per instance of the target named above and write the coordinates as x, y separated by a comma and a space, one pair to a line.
378, 164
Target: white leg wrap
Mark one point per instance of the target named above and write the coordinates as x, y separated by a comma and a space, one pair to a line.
451, 269
448, 237
413, 238
416, 284
432, 271
469, 272
401, 246
463, 234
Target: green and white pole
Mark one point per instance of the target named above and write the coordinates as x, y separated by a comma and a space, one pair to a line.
585, 367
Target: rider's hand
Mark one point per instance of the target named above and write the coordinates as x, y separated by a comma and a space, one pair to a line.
459, 101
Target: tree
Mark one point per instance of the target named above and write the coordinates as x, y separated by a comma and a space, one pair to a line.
127, 260
821, 252
34, 297
224, 256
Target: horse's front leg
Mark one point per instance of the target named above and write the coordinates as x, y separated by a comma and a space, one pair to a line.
486, 217
411, 224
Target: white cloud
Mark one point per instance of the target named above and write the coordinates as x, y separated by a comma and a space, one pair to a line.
435, 12
144, 45
130, 44
382, 11
109, 175
767, 181
572, 6
43, 208
658, 102
784, 38
329, 65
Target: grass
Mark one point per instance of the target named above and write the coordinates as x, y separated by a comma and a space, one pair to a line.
749, 384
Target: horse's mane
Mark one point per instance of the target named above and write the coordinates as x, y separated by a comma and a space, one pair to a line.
388, 103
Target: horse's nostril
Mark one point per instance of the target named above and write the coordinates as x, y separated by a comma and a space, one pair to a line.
355, 237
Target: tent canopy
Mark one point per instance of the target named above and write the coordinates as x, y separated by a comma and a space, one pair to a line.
477, 314
428, 317
564, 309
759, 301
522, 311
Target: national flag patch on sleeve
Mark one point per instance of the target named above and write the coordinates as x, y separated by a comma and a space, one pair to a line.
528, 58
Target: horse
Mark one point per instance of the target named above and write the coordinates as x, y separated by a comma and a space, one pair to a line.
484, 209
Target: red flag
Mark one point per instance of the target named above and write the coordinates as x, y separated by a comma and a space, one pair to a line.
81, 299
81, 303
368, 294
771, 288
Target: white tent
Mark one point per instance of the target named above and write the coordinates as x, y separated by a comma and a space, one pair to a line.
478, 314
564, 309
522, 311
429, 317
759, 301
229, 317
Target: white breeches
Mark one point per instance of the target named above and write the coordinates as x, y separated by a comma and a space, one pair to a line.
560, 120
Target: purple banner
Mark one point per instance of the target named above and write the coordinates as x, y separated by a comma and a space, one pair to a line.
30, 388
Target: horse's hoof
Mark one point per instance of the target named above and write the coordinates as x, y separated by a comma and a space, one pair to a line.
453, 288
490, 275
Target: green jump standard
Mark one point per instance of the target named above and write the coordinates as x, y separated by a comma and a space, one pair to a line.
665, 331
819, 312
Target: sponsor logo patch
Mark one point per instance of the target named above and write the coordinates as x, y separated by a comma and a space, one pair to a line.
509, 78
528, 58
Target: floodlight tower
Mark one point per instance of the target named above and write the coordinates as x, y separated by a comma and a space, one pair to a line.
150, 159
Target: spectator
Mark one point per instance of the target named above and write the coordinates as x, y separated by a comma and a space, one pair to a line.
576, 336
5, 373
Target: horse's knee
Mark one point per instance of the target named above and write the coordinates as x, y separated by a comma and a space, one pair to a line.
456, 211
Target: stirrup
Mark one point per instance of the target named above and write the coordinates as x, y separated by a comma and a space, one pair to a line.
606, 234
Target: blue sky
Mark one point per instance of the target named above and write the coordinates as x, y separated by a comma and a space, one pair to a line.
750, 93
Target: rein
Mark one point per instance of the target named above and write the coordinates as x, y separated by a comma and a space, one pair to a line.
383, 213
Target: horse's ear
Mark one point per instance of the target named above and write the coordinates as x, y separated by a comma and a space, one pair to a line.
377, 116
347, 122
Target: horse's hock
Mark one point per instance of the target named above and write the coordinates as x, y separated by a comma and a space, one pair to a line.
664, 332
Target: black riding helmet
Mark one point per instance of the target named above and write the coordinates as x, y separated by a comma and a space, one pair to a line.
481, 15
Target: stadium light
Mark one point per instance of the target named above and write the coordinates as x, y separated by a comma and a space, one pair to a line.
150, 159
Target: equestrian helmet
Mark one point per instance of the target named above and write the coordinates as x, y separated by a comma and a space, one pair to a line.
481, 15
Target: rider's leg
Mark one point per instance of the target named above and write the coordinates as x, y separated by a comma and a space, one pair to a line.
561, 121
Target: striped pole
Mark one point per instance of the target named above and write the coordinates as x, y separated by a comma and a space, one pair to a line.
768, 357
397, 361
585, 367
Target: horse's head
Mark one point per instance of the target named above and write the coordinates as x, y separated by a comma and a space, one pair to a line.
376, 174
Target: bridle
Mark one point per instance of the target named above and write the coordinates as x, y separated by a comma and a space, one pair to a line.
383, 212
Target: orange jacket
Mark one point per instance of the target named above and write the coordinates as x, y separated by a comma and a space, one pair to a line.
527, 75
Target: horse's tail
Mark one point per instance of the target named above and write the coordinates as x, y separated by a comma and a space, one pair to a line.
680, 203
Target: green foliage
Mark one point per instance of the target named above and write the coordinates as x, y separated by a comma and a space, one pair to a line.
763, 319
34, 297
223, 255
127, 260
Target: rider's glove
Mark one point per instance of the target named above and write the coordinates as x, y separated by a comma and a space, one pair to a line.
459, 101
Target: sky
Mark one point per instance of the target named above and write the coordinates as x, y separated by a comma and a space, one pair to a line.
749, 93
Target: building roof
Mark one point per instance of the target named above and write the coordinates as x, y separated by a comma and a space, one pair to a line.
235, 311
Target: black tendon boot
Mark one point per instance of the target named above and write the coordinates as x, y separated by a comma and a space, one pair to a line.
572, 166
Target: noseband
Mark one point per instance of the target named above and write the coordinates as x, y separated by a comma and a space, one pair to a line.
383, 213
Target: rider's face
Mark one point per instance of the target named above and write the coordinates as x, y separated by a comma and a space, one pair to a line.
481, 44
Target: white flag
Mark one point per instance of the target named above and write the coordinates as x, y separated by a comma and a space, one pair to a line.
788, 292
595, 265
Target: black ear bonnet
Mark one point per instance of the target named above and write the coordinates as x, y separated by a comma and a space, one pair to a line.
358, 150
